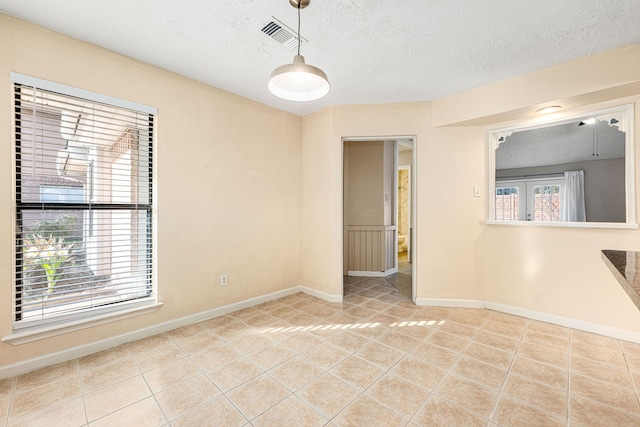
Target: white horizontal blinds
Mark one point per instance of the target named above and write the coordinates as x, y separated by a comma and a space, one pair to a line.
83, 199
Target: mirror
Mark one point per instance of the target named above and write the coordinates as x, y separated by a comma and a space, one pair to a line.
576, 171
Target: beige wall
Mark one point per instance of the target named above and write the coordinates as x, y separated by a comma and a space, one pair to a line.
228, 182
322, 208
256, 193
552, 271
597, 78
558, 271
365, 184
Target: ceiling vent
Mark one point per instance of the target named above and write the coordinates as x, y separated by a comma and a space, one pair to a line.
282, 34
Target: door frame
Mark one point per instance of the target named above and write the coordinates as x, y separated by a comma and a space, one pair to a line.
414, 185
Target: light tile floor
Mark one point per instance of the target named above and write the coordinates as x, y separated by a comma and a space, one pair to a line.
373, 360
402, 279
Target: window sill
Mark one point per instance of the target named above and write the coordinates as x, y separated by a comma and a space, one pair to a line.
611, 225
47, 331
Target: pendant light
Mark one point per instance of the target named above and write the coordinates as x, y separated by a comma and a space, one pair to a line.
299, 81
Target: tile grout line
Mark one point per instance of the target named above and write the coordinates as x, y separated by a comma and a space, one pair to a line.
292, 394
153, 395
636, 387
568, 423
324, 339
354, 353
14, 386
504, 384
387, 371
82, 392
448, 372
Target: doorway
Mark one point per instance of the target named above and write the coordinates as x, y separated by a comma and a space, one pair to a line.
378, 215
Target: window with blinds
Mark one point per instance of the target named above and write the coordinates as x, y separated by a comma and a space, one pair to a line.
84, 218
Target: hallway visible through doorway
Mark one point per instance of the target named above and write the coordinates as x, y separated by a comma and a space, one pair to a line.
378, 227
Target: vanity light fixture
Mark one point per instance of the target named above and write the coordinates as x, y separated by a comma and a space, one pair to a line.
299, 81
548, 110
614, 121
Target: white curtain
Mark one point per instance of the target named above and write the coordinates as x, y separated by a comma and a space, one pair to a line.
573, 197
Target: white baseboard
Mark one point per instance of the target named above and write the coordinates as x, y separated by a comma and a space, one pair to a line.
385, 273
22, 367
365, 273
449, 302
535, 315
568, 322
86, 349
321, 295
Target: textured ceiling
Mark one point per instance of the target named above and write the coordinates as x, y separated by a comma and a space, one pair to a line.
374, 51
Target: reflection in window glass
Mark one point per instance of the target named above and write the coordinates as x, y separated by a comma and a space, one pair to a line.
507, 203
546, 203
599, 143
61, 194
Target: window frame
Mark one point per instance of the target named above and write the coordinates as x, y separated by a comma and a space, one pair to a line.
495, 133
46, 326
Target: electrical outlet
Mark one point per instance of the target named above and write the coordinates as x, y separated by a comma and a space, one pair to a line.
223, 280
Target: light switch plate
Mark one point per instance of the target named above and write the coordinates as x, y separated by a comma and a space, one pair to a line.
476, 191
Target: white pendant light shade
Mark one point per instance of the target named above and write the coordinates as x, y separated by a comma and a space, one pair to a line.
299, 81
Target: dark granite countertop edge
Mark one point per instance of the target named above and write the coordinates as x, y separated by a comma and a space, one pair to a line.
616, 260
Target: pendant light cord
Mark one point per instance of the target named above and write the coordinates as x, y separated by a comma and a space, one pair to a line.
299, 27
